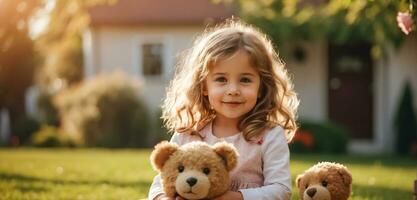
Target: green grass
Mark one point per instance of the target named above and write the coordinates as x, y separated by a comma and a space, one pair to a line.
127, 174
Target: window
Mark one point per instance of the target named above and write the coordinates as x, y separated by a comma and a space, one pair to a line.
152, 59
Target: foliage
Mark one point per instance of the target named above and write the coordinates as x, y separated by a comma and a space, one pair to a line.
60, 44
326, 137
303, 141
50, 136
406, 123
23, 128
339, 21
58, 50
161, 131
104, 111
47, 112
127, 174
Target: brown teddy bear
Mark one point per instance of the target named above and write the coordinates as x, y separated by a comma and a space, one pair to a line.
194, 170
325, 181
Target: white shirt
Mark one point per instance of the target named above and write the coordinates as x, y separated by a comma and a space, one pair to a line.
262, 172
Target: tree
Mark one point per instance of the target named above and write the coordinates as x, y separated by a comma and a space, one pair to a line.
17, 55
60, 44
339, 21
56, 54
61, 51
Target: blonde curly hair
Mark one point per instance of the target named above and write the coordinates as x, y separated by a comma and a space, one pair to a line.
187, 110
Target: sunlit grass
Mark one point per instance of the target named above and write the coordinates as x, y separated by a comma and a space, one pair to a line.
74, 174
374, 177
127, 174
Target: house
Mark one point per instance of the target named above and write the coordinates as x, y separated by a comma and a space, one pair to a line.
341, 83
346, 84
144, 38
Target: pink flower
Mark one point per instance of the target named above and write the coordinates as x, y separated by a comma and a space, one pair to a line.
405, 22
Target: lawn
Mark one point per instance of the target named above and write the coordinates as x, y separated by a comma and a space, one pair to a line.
127, 174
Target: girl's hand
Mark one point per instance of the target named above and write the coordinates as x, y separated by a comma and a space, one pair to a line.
230, 195
164, 197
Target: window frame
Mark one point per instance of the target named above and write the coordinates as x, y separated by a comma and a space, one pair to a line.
137, 56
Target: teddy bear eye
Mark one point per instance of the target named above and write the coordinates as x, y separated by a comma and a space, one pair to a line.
324, 183
206, 170
306, 186
180, 168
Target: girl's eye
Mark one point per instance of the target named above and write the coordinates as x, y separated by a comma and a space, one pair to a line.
180, 168
324, 183
220, 79
245, 80
206, 170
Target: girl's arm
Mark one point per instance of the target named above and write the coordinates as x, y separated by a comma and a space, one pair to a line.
276, 171
156, 188
230, 195
156, 191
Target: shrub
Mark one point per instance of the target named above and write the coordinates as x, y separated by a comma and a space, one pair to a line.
303, 141
47, 111
160, 130
105, 111
325, 137
50, 136
23, 129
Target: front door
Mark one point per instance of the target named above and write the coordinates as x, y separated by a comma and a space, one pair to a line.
350, 88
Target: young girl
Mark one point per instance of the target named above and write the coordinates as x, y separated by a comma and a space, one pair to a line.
231, 86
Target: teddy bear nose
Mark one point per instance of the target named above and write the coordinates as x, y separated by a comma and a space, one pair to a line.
311, 192
191, 181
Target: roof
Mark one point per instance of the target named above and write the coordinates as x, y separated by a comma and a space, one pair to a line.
159, 12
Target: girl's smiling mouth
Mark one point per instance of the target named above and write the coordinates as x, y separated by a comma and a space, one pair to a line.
232, 103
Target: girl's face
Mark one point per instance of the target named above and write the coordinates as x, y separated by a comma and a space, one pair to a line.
232, 86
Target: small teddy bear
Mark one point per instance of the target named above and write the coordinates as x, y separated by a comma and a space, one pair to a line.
325, 181
195, 170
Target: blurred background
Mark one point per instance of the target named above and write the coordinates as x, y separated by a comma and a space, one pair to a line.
93, 72
89, 76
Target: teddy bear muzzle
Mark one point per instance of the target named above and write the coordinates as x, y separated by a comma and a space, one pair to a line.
192, 185
316, 192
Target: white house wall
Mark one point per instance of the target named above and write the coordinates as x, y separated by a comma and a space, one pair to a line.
390, 74
310, 79
402, 67
118, 48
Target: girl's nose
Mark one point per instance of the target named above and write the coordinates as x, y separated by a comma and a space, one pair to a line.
233, 90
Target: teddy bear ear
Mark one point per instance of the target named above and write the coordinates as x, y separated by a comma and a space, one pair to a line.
298, 180
161, 154
346, 176
228, 153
